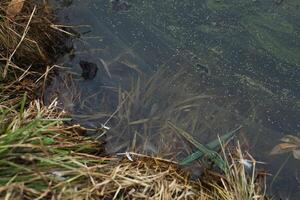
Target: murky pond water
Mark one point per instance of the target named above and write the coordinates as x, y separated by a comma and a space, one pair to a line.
140, 66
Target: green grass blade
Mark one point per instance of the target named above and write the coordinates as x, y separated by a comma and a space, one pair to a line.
208, 150
210, 146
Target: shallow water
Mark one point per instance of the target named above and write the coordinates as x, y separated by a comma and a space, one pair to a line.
206, 66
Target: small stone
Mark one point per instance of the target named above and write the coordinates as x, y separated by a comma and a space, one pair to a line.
89, 70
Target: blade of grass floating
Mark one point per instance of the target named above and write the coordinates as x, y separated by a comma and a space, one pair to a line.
203, 150
213, 155
187, 136
216, 143
212, 145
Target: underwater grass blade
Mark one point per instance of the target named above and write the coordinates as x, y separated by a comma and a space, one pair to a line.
212, 145
208, 150
204, 151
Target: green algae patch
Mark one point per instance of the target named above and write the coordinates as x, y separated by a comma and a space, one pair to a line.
274, 35
217, 5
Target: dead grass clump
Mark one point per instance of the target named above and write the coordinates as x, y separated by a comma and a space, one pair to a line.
149, 178
29, 42
29, 37
41, 158
240, 179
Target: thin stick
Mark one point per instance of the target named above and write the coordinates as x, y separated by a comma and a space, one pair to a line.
110, 117
25, 73
150, 157
57, 27
279, 170
19, 44
47, 71
116, 111
105, 67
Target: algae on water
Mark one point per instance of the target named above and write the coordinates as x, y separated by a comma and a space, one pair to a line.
257, 39
275, 35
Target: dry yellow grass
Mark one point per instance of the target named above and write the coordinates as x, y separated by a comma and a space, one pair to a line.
29, 38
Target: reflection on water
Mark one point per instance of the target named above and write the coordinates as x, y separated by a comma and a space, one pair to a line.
206, 66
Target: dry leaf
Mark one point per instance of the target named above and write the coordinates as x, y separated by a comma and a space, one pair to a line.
283, 148
14, 7
291, 139
296, 154
290, 144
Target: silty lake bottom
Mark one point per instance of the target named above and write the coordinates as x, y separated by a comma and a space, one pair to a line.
208, 67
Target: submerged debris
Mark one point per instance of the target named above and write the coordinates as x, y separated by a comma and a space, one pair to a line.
290, 143
89, 70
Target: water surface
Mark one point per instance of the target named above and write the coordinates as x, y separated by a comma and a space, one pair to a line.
206, 66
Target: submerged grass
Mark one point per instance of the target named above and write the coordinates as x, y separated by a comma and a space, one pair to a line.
128, 118
41, 157
209, 150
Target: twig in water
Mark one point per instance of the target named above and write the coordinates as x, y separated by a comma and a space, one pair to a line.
105, 67
104, 126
